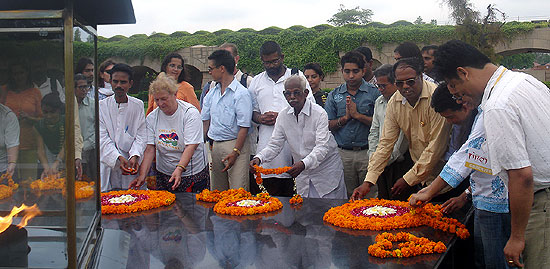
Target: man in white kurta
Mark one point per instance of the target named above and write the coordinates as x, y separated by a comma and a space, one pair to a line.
318, 167
122, 132
266, 90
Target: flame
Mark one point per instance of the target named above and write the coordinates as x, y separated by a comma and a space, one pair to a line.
30, 212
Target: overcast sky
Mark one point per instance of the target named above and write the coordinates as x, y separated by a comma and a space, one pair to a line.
168, 16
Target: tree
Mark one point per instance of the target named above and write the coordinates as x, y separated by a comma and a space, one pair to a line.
480, 32
462, 11
419, 21
433, 22
518, 61
77, 35
90, 39
356, 15
542, 58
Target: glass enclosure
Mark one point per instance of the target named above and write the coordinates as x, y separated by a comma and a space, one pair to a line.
48, 140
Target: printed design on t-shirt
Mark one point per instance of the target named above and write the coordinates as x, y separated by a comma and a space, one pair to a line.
172, 236
476, 143
168, 138
338, 97
497, 186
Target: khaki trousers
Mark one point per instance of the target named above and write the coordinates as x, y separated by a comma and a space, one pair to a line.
355, 169
537, 234
237, 176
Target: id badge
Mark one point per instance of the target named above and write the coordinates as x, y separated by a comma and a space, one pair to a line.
478, 159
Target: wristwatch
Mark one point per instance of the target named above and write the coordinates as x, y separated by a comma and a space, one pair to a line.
468, 194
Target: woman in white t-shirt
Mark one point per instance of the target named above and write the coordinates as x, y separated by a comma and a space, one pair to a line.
174, 137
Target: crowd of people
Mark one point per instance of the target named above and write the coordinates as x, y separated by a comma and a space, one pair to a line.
442, 124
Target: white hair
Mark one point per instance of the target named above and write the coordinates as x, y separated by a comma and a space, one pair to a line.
301, 80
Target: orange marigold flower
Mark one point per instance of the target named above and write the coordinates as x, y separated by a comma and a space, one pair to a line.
144, 200
240, 206
260, 170
351, 215
215, 195
411, 246
296, 199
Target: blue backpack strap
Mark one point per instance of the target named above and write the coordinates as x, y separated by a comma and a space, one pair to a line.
244, 80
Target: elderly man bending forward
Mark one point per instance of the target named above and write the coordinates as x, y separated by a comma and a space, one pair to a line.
318, 167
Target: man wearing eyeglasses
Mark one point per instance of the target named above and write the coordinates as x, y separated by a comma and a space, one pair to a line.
268, 99
400, 160
350, 108
409, 111
86, 114
304, 125
226, 116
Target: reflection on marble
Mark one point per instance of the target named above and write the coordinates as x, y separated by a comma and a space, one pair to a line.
47, 236
190, 235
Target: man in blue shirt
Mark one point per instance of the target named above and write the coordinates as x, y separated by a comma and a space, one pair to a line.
227, 115
350, 107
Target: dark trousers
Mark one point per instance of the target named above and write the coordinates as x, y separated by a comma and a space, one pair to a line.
90, 166
279, 186
391, 174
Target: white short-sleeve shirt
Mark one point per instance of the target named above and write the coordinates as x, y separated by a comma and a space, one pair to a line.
171, 133
516, 111
9, 134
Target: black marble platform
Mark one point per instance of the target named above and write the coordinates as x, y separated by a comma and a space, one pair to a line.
188, 234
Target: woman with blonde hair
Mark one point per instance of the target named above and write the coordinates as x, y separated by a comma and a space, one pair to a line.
174, 137
173, 66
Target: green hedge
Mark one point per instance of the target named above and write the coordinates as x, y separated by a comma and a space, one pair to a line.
301, 45
547, 83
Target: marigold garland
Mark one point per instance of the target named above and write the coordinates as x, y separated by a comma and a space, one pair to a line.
251, 205
83, 189
296, 199
7, 190
145, 200
412, 246
215, 195
277, 171
51, 182
347, 216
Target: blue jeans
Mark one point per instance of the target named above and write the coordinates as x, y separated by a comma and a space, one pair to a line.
491, 232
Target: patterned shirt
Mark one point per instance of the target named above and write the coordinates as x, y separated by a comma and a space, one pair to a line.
489, 192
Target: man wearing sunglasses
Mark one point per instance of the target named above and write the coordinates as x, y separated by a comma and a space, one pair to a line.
409, 111
400, 160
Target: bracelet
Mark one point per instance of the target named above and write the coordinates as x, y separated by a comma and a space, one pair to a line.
237, 151
338, 122
182, 167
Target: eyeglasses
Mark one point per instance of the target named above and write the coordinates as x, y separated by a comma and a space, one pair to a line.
410, 82
382, 86
457, 97
295, 93
83, 87
179, 67
210, 68
272, 62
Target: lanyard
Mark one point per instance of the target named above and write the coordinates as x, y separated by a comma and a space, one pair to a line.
498, 79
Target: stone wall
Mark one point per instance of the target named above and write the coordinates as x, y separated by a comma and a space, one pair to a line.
537, 40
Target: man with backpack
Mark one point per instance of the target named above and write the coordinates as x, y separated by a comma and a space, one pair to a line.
267, 95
